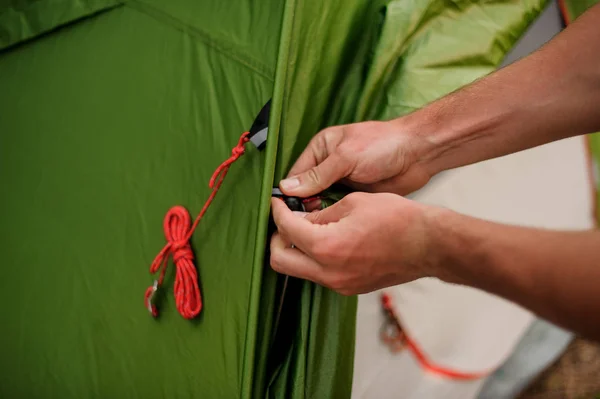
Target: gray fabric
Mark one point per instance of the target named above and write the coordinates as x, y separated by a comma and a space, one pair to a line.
541, 346
260, 138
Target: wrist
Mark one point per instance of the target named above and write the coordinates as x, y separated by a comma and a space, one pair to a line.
450, 246
459, 129
429, 136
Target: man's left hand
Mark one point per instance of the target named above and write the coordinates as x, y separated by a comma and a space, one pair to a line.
360, 244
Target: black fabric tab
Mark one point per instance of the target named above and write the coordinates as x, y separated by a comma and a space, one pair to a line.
259, 129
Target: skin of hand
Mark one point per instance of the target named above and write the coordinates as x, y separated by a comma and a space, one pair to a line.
368, 156
362, 243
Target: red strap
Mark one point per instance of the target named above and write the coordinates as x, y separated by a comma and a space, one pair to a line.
418, 353
178, 233
564, 11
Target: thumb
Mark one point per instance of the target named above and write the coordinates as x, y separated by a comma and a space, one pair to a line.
317, 178
331, 214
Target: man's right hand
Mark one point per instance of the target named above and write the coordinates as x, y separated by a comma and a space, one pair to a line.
367, 156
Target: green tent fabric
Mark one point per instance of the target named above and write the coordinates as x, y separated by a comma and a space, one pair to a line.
113, 111
571, 9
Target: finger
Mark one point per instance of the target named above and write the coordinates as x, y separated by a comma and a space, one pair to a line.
400, 184
317, 178
292, 261
297, 229
286, 242
318, 149
313, 205
314, 154
331, 214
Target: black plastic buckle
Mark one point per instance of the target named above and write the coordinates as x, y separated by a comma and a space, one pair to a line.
294, 203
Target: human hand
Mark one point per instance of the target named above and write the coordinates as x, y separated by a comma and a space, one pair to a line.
368, 156
362, 243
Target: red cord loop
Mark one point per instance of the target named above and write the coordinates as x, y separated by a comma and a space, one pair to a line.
178, 232
396, 337
236, 152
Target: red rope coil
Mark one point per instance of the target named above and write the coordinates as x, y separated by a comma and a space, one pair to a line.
178, 232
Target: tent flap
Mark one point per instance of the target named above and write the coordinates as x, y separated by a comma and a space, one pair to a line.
104, 127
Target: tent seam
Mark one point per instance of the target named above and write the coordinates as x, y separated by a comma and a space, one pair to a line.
220, 46
275, 126
24, 38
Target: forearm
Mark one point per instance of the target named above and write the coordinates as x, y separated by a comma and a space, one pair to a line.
552, 94
554, 274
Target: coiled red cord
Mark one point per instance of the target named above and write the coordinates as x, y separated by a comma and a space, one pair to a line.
178, 233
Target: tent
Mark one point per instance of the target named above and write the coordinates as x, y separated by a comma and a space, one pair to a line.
112, 112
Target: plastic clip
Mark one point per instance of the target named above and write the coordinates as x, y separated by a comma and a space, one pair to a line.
149, 305
294, 203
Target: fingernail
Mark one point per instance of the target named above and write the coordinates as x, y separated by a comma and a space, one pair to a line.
289, 184
301, 214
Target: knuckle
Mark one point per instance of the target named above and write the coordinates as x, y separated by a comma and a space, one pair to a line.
314, 176
346, 292
319, 146
314, 217
275, 261
355, 197
276, 267
324, 136
336, 283
283, 224
273, 243
331, 136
